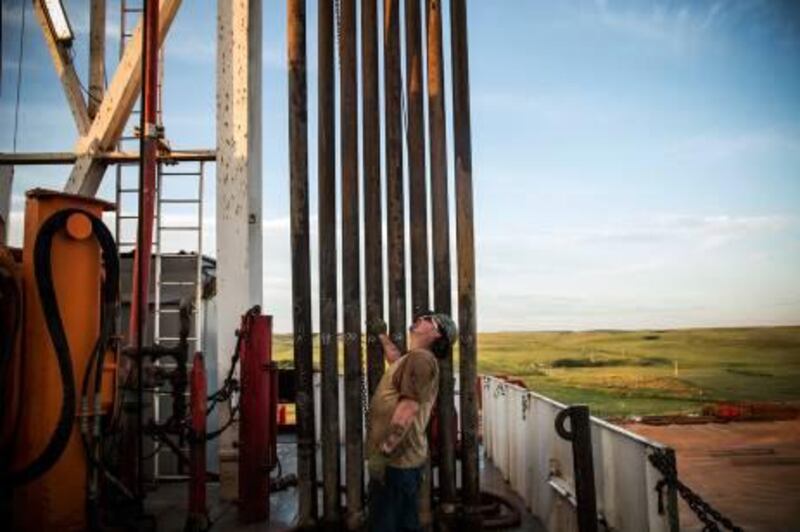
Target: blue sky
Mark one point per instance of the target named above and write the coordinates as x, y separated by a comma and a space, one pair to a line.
636, 164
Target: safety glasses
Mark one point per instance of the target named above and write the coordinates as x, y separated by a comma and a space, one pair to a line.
431, 319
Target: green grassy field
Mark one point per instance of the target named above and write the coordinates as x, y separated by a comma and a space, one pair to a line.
623, 373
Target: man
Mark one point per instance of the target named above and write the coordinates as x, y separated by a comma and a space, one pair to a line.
397, 443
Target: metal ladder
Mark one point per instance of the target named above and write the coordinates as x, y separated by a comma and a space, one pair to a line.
167, 252
130, 14
124, 189
164, 226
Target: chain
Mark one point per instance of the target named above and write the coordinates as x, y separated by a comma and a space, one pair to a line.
365, 400
710, 517
337, 9
230, 386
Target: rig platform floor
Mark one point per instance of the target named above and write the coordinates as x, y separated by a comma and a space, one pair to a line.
168, 503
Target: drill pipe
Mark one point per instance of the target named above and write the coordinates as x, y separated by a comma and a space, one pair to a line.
301, 270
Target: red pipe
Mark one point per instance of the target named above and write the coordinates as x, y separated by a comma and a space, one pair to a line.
257, 417
147, 184
197, 519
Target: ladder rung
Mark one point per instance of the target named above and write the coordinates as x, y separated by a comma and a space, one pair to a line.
175, 339
173, 310
179, 201
179, 228
178, 283
168, 310
180, 256
131, 243
181, 173
128, 190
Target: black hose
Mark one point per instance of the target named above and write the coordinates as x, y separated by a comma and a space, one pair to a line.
43, 270
8, 340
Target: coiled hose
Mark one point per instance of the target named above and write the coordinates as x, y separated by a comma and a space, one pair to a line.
10, 324
47, 296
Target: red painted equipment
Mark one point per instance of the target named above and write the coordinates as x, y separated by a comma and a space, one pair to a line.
147, 184
197, 519
257, 425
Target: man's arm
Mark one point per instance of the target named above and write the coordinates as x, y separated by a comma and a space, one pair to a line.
404, 414
416, 378
390, 351
378, 328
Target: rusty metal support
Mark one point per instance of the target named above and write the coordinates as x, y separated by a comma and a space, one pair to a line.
301, 269
465, 242
351, 277
329, 346
437, 133
418, 201
371, 153
395, 222
580, 436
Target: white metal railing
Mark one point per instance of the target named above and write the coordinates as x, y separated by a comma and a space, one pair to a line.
520, 439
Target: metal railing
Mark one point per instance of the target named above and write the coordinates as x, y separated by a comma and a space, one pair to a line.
519, 437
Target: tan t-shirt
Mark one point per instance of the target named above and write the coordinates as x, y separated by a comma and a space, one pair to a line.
414, 375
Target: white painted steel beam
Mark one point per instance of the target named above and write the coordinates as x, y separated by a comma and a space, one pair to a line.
239, 232
107, 126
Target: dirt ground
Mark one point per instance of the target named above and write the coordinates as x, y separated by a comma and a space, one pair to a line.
749, 471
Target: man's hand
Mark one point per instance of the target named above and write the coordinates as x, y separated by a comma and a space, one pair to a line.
403, 416
377, 467
376, 327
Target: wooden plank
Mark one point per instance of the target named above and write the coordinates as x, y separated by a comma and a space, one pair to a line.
115, 109
97, 55
326, 205
62, 62
301, 268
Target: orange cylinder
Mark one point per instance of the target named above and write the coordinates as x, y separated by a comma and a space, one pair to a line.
57, 499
